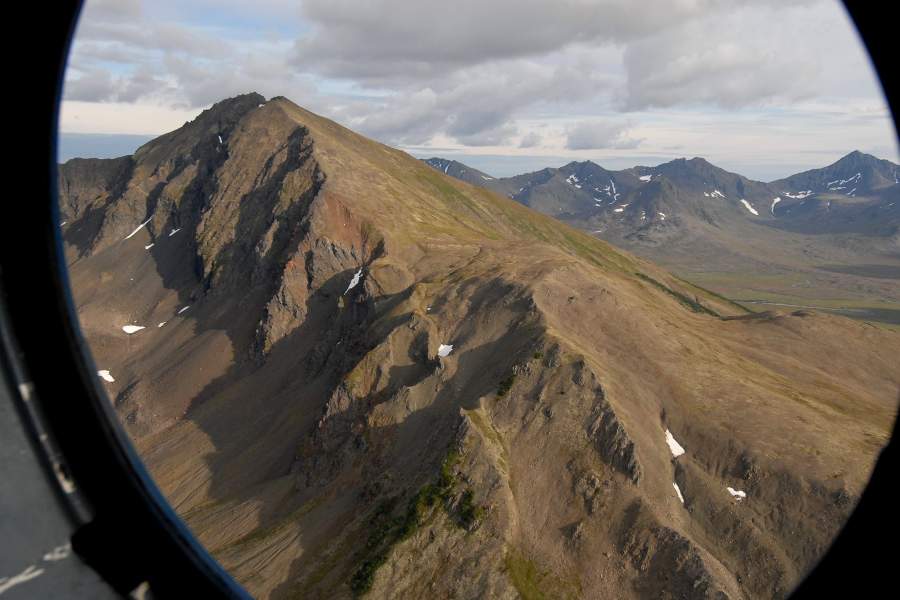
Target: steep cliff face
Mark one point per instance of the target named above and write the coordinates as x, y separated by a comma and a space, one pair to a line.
357, 375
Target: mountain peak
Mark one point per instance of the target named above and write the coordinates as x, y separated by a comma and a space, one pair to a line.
459, 170
855, 173
856, 155
579, 163
865, 163
858, 159
693, 164
209, 129
584, 167
239, 104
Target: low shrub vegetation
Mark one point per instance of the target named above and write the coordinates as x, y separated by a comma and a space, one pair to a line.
688, 302
505, 385
386, 529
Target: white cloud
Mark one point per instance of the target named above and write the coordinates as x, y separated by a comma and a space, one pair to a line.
699, 74
753, 55
531, 139
397, 40
590, 135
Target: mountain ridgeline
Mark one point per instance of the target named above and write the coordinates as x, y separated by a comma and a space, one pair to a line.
354, 375
827, 238
584, 192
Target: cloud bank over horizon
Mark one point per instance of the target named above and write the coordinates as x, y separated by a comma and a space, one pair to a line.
745, 85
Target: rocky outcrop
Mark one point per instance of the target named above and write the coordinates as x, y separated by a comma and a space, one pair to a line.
669, 566
612, 442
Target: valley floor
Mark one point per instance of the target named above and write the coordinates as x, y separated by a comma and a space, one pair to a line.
853, 293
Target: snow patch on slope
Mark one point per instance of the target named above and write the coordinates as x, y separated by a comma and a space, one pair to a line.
839, 184
354, 281
749, 207
573, 180
678, 491
674, 446
738, 494
138, 228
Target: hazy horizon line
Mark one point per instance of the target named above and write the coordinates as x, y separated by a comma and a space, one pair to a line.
113, 145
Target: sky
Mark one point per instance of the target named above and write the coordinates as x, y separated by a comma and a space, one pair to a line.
765, 88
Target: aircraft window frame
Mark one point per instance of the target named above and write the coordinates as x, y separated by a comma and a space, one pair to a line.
126, 529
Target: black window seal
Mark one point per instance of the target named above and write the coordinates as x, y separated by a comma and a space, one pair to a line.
133, 535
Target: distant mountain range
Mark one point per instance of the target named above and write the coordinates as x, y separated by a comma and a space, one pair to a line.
825, 226
460, 171
857, 193
353, 375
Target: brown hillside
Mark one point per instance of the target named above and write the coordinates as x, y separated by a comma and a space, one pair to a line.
310, 434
